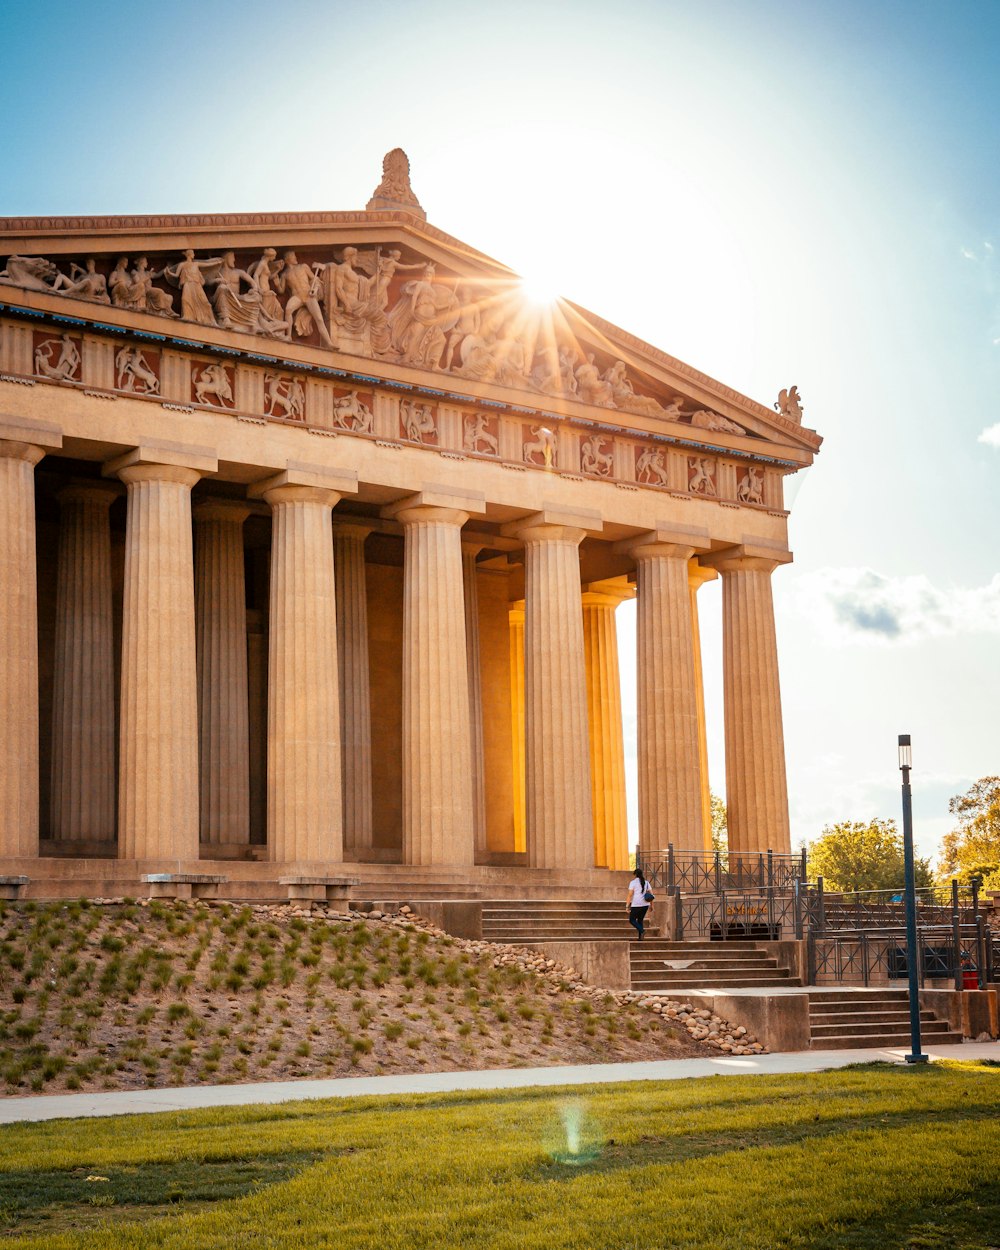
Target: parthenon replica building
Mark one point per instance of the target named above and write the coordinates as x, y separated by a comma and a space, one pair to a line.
312, 531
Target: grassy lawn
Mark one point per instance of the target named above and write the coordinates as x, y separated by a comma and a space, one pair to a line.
875, 1157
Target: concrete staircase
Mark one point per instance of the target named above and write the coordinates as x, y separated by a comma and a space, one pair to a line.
852, 1019
555, 920
680, 967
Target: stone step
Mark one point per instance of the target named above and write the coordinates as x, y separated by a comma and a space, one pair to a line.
885, 1015
643, 963
674, 950
693, 975
885, 1041
859, 996
861, 1028
713, 981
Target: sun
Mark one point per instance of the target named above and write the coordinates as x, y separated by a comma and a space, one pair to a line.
539, 289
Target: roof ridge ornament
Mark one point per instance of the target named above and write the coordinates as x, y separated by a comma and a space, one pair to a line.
394, 191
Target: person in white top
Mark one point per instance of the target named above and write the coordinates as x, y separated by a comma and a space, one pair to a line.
638, 903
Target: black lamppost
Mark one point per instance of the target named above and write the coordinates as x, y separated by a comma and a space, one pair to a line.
912, 954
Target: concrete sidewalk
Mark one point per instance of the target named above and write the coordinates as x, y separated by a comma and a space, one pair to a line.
143, 1101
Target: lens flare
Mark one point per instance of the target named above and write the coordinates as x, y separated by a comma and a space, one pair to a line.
577, 1139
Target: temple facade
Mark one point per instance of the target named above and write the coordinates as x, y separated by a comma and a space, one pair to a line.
312, 532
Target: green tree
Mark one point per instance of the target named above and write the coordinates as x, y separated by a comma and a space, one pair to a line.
972, 849
853, 855
720, 826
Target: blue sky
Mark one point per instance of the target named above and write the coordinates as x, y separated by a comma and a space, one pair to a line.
776, 192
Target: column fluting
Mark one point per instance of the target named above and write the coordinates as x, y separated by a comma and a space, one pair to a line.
698, 575
355, 693
18, 650
669, 772
471, 592
82, 801
559, 814
604, 718
158, 752
756, 785
223, 700
516, 622
304, 802
438, 817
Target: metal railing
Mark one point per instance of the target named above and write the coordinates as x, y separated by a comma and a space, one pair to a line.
968, 959
828, 912
712, 872
733, 915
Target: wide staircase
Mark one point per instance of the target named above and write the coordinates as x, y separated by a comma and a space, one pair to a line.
855, 1019
555, 920
679, 967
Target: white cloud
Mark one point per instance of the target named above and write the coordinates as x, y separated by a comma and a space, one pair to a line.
860, 605
967, 254
991, 435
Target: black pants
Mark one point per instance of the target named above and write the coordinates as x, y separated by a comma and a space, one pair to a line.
636, 915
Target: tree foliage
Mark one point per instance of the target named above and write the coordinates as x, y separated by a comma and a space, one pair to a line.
854, 855
720, 825
972, 849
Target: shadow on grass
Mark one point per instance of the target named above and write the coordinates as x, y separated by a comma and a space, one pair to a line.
78, 1198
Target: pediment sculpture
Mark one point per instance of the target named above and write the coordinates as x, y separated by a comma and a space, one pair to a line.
375, 302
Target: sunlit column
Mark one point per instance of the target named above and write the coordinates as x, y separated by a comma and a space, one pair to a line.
82, 803
756, 787
698, 575
355, 694
516, 618
223, 696
604, 718
469, 552
18, 650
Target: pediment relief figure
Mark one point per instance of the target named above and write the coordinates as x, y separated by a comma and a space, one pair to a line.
386, 303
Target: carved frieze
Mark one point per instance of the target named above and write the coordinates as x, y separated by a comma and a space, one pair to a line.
702, 472
596, 455
354, 411
651, 466
538, 446
480, 434
750, 487
137, 371
212, 384
57, 357
417, 422
284, 396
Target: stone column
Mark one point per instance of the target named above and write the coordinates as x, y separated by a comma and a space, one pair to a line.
158, 751
756, 788
355, 696
669, 770
304, 801
698, 575
18, 650
471, 589
438, 813
516, 617
604, 717
83, 704
557, 750
223, 698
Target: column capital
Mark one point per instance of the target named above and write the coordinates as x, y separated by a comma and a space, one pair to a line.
328, 485
159, 473
555, 524
221, 510
664, 540
699, 574
162, 455
607, 594
428, 514
31, 453
43, 436
515, 611
349, 527
103, 493
441, 498
745, 557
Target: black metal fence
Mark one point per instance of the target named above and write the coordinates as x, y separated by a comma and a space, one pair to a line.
712, 872
731, 915
968, 958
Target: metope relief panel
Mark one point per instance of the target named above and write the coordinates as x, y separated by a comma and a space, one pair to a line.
651, 466
481, 434
597, 457
58, 357
418, 423
284, 397
354, 411
750, 485
212, 385
137, 370
538, 446
702, 474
